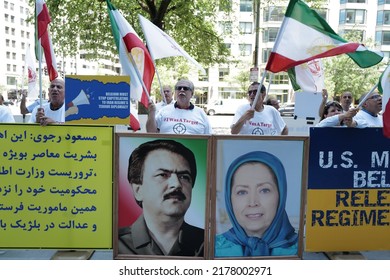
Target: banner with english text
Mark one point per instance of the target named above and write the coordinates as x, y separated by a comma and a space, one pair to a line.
348, 197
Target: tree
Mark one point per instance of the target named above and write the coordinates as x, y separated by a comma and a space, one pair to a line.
84, 26
343, 74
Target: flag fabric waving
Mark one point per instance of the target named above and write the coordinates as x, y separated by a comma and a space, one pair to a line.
384, 88
309, 77
161, 44
43, 38
31, 75
305, 35
131, 49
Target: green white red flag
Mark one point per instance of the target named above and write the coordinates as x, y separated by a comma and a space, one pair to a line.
384, 88
134, 58
43, 19
305, 35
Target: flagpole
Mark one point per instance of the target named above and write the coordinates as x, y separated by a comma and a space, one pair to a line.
367, 96
269, 85
258, 90
159, 81
40, 72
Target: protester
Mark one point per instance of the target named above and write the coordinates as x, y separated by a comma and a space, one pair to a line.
181, 118
167, 92
346, 100
54, 110
262, 120
333, 115
272, 101
162, 175
24, 109
6, 115
369, 113
255, 200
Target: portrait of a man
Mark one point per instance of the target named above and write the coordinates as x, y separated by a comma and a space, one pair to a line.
162, 174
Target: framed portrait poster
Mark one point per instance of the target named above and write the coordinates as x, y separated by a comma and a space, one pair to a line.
259, 197
161, 196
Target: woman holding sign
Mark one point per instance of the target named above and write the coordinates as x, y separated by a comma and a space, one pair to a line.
255, 198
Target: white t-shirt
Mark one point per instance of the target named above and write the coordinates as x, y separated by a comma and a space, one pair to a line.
173, 120
36, 103
162, 104
334, 121
6, 115
266, 122
57, 115
371, 121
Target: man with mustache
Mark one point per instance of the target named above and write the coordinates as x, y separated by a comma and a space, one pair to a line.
369, 113
181, 118
162, 174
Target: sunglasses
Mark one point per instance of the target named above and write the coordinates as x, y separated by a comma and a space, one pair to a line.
347, 97
250, 92
182, 88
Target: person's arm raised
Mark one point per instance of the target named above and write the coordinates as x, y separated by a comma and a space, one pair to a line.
151, 125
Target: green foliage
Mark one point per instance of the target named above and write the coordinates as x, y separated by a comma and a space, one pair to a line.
84, 26
343, 74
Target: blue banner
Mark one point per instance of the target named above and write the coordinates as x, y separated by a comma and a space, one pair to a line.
343, 158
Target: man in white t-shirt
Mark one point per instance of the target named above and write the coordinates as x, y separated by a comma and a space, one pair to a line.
369, 113
6, 115
262, 120
167, 92
53, 111
182, 117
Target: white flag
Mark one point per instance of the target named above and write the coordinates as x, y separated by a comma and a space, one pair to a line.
309, 76
31, 74
161, 45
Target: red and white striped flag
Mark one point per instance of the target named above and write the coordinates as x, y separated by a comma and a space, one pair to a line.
43, 19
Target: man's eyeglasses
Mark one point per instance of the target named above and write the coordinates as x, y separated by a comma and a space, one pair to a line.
165, 91
375, 97
347, 97
250, 92
182, 88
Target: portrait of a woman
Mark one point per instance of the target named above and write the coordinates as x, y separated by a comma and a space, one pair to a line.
255, 200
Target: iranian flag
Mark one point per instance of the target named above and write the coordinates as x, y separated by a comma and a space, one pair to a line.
133, 55
305, 35
43, 38
384, 88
